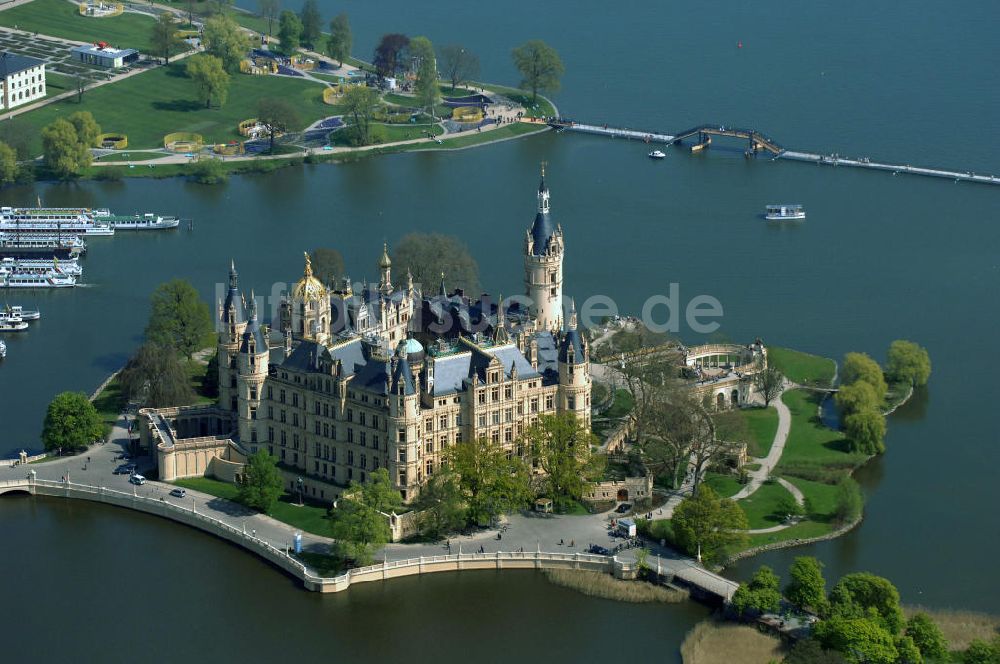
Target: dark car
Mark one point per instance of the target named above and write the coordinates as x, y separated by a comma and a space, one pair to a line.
599, 550
124, 469
623, 508
178, 493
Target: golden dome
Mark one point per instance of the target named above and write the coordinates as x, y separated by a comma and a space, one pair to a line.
308, 287
385, 262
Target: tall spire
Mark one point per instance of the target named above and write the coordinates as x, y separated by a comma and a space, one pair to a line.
253, 306
443, 292
309, 266
233, 276
571, 322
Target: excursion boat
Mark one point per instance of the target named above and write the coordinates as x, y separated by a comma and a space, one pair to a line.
3, 350
16, 245
657, 154
17, 311
34, 280
784, 212
52, 220
139, 222
10, 324
69, 266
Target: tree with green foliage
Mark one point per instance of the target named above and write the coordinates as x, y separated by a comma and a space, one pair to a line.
861, 367
278, 115
982, 652
540, 67
328, 265
787, 508
806, 587
848, 501
87, 129
359, 103
855, 398
289, 31
458, 64
210, 79
389, 53
225, 39
810, 651
435, 259
865, 431
8, 164
706, 525
208, 170
927, 637
261, 483
442, 505
312, 24
492, 481
759, 595
426, 86
359, 519
71, 423
860, 594
155, 377
860, 640
64, 154
269, 10
179, 318
164, 39
561, 445
338, 44
908, 362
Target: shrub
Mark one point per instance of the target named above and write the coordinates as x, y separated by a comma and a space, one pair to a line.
208, 171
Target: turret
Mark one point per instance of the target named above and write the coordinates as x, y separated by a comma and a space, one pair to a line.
385, 270
543, 264
251, 363
574, 371
309, 303
232, 323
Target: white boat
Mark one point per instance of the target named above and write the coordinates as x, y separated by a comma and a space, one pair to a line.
52, 220
139, 222
33, 280
17, 311
12, 325
657, 154
3, 350
784, 212
69, 266
41, 246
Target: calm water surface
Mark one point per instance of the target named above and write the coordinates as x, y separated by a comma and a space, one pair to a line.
879, 258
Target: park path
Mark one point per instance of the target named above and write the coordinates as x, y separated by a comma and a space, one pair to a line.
767, 464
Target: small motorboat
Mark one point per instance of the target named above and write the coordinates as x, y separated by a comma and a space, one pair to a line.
17, 311
12, 325
657, 154
784, 212
3, 350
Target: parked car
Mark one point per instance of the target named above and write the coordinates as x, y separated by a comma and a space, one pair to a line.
599, 550
124, 469
137, 479
178, 493
623, 508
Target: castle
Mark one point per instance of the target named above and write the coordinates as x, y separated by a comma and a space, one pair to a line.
390, 376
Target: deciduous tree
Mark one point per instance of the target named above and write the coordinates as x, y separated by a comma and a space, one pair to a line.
856, 397
312, 24
561, 444
429, 255
269, 10
706, 526
428, 93
760, 594
865, 431
908, 362
8, 164
155, 376
857, 595
210, 79
64, 154
927, 637
859, 640
87, 129
225, 39
164, 39
71, 422
540, 67
443, 507
328, 265
849, 501
338, 44
861, 367
492, 481
261, 484
289, 32
806, 587
458, 64
179, 318
359, 522
769, 382
359, 103
278, 115
388, 53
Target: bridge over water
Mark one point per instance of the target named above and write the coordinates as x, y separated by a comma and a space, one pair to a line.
758, 143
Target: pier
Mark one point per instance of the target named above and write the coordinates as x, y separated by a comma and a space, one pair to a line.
758, 143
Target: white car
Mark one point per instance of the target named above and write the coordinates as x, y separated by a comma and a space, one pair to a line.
137, 479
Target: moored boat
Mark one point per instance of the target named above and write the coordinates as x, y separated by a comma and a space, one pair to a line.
16, 245
3, 350
17, 311
12, 325
52, 220
657, 154
784, 212
139, 222
34, 280
69, 266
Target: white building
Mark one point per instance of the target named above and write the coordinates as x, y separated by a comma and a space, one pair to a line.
23, 80
102, 55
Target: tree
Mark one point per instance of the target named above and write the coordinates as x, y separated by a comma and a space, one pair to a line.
458, 64
8, 164
328, 265
860, 594
492, 482
388, 53
338, 44
208, 170
769, 383
443, 506
428, 93
359, 104
982, 652
164, 39
278, 115
428, 256
225, 39
179, 318
806, 588
359, 521
810, 651
269, 11
859, 640
561, 445
540, 67
908, 362
71, 422
865, 431
706, 526
261, 484
80, 83
787, 507
760, 594
210, 78
64, 154
849, 501
860, 367
856, 397
155, 377
87, 129
927, 637
312, 23
289, 32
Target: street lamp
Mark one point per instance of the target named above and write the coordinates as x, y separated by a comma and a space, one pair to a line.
299, 483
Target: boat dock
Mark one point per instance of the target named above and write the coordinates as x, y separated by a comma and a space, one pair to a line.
759, 143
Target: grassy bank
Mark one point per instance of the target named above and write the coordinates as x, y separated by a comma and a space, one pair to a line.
762, 505
814, 451
758, 427
803, 368
605, 586
960, 627
713, 642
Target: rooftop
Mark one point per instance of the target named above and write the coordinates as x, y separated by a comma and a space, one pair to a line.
11, 63
96, 49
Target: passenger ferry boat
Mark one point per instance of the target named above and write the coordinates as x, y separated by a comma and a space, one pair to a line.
136, 222
69, 266
10, 323
17, 311
784, 212
657, 154
77, 221
34, 280
30, 245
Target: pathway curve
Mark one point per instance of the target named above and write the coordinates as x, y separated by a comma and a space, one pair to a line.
767, 464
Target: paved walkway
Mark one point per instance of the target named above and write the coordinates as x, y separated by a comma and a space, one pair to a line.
767, 464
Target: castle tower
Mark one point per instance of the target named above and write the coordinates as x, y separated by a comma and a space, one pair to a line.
251, 364
385, 270
232, 323
310, 307
543, 265
574, 372
403, 399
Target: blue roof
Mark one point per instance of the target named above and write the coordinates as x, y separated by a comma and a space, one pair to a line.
572, 340
254, 332
11, 63
451, 371
541, 232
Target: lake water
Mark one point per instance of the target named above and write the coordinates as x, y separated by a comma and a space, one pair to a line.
879, 258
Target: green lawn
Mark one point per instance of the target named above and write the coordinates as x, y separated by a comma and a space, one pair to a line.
803, 530
110, 402
309, 518
812, 445
622, 404
131, 156
56, 84
803, 368
58, 18
724, 485
760, 506
762, 424
534, 109
149, 105
393, 133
